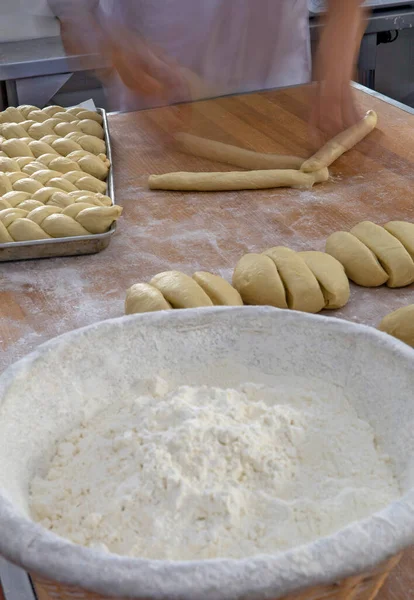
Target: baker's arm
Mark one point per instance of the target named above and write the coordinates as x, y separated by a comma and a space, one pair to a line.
145, 70
336, 59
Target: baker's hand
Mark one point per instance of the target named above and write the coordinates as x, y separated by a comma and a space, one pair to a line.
334, 108
144, 69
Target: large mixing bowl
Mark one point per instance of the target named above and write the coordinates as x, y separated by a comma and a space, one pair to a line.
48, 393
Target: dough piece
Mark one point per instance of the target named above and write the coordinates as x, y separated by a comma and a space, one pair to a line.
16, 176
87, 142
360, 263
232, 155
9, 215
390, 252
257, 280
15, 148
4, 204
404, 232
15, 198
39, 214
23, 230
5, 185
143, 297
30, 205
302, 288
7, 165
58, 225
45, 175
27, 185
180, 290
92, 197
5, 237
98, 219
237, 180
220, 292
331, 278
341, 143
400, 324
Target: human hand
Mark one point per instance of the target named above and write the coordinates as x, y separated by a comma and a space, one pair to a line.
146, 70
334, 108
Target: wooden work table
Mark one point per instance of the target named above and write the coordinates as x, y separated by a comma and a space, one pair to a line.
211, 231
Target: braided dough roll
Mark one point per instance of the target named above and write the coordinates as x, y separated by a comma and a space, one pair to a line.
404, 232
143, 297
400, 324
258, 282
302, 288
220, 292
44, 222
232, 155
180, 290
341, 143
360, 263
390, 252
237, 180
331, 277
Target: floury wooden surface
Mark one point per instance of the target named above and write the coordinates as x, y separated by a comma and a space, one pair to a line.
210, 231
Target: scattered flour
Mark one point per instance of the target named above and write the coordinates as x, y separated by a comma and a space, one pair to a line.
201, 473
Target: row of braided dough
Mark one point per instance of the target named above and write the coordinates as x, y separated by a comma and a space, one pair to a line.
55, 117
78, 160
280, 277
67, 182
46, 221
174, 289
96, 168
373, 255
51, 197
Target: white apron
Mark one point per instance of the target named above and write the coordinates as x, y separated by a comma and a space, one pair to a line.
234, 45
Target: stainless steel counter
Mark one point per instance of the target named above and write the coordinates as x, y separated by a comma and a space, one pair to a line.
37, 58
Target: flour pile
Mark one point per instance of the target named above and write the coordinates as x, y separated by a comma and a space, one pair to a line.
200, 473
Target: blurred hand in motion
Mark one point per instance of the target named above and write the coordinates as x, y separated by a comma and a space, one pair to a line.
143, 68
334, 107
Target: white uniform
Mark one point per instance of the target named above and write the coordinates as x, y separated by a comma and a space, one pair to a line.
235, 45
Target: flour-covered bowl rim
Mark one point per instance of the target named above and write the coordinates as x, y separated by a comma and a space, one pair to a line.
259, 338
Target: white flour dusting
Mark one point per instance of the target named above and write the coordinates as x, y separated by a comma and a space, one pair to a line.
202, 473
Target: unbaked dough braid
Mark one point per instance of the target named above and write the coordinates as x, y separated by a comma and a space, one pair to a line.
81, 160
58, 120
173, 289
280, 277
52, 197
400, 324
44, 222
37, 175
373, 255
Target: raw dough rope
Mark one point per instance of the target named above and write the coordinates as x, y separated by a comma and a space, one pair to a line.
98, 166
265, 170
341, 143
72, 181
233, 155
44, 222
280, 277
54, 119
373, 255
237, 180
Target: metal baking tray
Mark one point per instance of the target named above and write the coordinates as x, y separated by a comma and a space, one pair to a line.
69, 246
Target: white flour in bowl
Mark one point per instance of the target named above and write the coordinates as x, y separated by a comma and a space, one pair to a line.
200, 473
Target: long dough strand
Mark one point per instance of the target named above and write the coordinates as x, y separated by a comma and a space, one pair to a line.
233, 155
341, 143
237, 180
